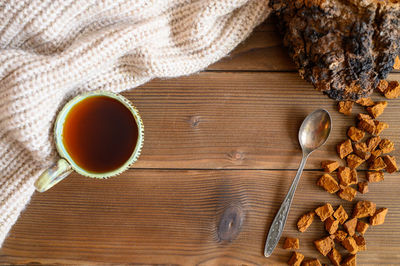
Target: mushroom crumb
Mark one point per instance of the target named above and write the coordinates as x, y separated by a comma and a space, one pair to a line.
361, 243
377, 109
374, 154
305, 221
331, 225
329, 166
355, 134
365, 102
353, 161
382, 86
296, 259
350, 226
361, 149
324, 245
396, 63
380, 126
379, 217
374, 177
347, 193
377, 164
340, 214
350, 244
344, 176
362, 187
345, 107
328, 183
349, 261
335, 257
361, 227
391, 165
291, 243
324, 212
386, 146
373, 142
393, 90
340, 235
367, 124
344, 148
363, 209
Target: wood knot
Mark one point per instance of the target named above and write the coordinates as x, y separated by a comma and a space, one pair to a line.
236, 155
230, 223
194, 120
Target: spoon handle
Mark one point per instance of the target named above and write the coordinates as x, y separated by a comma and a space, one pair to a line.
279, 221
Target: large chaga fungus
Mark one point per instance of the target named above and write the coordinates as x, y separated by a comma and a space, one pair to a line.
343, 47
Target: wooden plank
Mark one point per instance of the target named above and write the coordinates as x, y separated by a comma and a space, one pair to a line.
173, 217
237, 120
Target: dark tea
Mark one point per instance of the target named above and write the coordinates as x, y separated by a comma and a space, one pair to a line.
100, 134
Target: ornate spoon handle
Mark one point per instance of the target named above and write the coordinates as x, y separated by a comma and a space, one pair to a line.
279, 221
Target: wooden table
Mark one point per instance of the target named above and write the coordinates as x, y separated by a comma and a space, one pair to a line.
220, 153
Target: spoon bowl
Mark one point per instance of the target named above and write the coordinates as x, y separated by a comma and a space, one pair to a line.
314, 130
313, 133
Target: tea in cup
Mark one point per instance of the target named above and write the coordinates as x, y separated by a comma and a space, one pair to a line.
98, 134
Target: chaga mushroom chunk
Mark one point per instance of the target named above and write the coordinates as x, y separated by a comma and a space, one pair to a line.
379, 217
305, 221
363, 209
328, 183
350, 226
344, 48
345, 148
347, 193
296, 259
365, 102
340, 214
335, 257
363, 187
291, 243
355, 134
329, 166
340, 235
361, 227
350, 244
324, 245
324, 212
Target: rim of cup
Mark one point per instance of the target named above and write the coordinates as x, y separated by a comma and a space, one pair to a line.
59, 125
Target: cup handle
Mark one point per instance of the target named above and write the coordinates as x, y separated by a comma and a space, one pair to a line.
53, 175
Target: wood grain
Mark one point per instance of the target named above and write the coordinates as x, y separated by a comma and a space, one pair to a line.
173, 217
237, 120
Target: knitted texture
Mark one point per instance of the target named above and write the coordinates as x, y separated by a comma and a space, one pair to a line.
51, 50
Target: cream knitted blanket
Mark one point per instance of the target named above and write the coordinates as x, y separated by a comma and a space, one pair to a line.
50, 50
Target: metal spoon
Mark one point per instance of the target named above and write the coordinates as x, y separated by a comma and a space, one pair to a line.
313, 133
